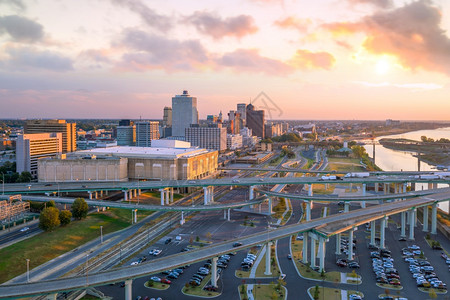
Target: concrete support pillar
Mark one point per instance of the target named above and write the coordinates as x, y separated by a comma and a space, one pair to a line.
125, 195
305, 248
205, 195
433, 218
430, 185
139, 192
95, 195
182, 218
214, 272
167, 197
128, 289
338, 244
415, 217
385, 188
395, 188
162, 196
376, 187
270, 205
411, 224
310, 190
131, 194
364, 188
321, 254
382, 232
373, 229
224, 214
251, 192
268, 250
425, 218
90, 195
308, 210
350, 244
135, 193
229, 214
435, 185
171, 195
346, 207
403, 221
313, 253
211, 194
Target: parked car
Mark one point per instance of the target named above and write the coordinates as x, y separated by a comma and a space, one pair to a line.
210, 288
168, 240
155, 279
166, 281
237, 244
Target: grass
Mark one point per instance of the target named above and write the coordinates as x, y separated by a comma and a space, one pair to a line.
437, 291
279, 209
198, 290
48, 245
389, 286
264, 292
319, 188
331, 293
156, 285
344, 164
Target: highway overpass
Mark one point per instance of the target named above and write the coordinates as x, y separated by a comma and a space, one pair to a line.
323, 227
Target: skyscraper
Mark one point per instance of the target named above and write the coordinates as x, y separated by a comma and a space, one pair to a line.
68, 130
211, 136
167, 117
126, 135
255, 120
241, 109
184, 113
146, 131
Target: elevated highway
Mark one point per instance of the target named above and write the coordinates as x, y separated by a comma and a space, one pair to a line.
34, 188
323, 227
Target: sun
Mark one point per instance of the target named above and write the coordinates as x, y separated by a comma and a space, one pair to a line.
382, 66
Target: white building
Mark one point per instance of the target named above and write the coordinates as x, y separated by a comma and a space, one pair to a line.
31, 147
212, 136
184, 113
234, 141
146, 131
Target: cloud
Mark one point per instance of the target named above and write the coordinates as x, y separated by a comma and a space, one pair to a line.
378, 3
249, 60
307, 60
25, 59
148, 15
157, 52
411, 33
302, 25
21, 29
411, 86
16, 4
95, 58
213, 25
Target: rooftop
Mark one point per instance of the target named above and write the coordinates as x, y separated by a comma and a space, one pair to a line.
145, 152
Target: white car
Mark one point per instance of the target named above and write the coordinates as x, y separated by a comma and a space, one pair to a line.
354, 297
151, 252
156, 252
155, 279
134, 263
24, 229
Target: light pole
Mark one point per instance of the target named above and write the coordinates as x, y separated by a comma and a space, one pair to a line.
28, 270
3, 184
101, 234
87, 261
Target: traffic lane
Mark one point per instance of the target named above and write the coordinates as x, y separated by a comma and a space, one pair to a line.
18, 234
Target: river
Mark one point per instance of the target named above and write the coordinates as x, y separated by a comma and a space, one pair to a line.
396, 160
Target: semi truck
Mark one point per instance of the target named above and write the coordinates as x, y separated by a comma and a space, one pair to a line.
357, 175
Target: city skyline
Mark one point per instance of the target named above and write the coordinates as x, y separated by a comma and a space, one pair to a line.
353, 59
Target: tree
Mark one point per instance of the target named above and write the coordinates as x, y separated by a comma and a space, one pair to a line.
25, 177
79, 209
50, 203
49, 218
432, 294
65, 216
316, 293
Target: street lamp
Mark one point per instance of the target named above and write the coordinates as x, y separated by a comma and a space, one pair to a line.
28, 270
101, 234
87, 261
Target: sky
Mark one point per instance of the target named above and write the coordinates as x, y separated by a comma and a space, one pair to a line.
298, 59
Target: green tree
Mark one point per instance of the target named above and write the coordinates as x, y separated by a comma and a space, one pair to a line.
79, 209
65, 216
50, 203
316, 293
432, 294
49, 218
24, 177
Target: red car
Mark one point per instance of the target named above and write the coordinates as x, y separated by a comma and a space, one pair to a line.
165, 280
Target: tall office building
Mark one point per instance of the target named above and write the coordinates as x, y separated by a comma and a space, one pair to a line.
126, 135
146, 131
68, 130
211, 136
234, 119
241, 109
255, 120
31, 147
167, 117
184, 113
125, 122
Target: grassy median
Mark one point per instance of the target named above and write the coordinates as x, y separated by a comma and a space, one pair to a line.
48, 245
